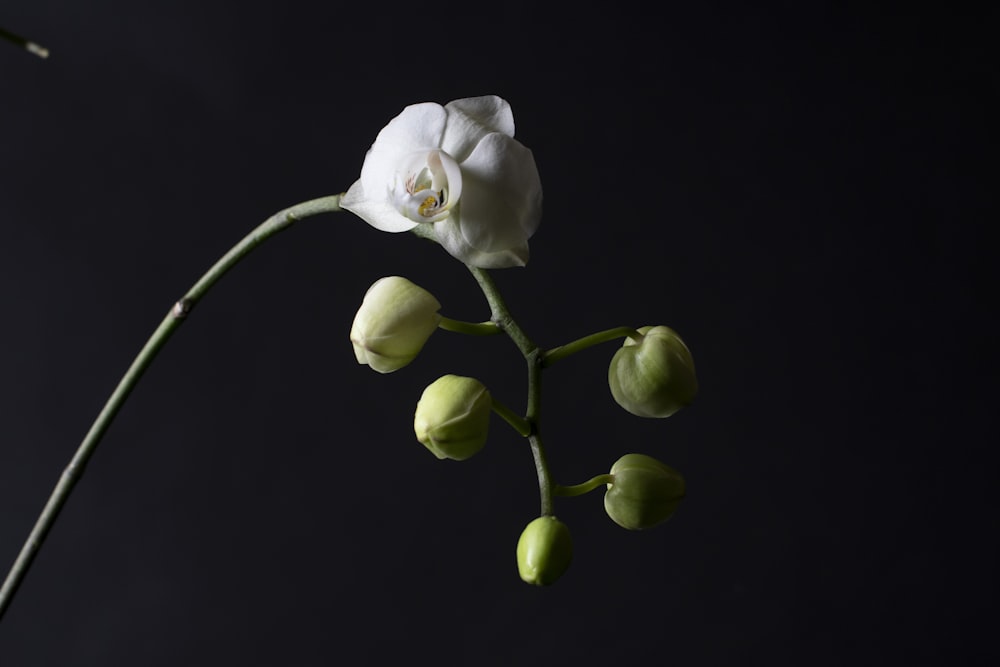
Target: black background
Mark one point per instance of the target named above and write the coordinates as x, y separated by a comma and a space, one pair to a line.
799, 191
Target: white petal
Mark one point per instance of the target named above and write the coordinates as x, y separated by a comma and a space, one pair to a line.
417, 127
378, 213
471, 119
450, 237
501, 203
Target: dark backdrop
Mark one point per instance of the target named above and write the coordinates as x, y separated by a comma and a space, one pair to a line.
794, 190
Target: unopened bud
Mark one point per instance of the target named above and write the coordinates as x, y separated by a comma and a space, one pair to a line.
544, 551
655, 376
644, 492
453, 417
395, 320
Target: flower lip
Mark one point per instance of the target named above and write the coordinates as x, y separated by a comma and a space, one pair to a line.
427, 186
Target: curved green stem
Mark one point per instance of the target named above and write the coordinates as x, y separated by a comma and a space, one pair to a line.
545, 483
519, 423
71, 475
586, 487
471, 328
500, 314
563, 351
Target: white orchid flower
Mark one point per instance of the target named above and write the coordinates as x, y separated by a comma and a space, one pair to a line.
457, 169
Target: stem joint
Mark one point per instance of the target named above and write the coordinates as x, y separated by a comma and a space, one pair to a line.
182, 308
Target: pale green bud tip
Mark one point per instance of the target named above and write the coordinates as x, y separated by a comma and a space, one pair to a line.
453, 417
544, 551
644, 492
655, 376
395, 320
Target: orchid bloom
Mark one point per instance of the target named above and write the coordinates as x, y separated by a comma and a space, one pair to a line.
458, 170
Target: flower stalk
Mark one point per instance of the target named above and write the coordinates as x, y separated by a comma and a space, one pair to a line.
585, 487
563, 351
519, 423
469, 328
178, 313
533, 355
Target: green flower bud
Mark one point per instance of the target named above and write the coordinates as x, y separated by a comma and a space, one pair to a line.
644, 492
544, 551
395, 320
654, 377
453, 417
